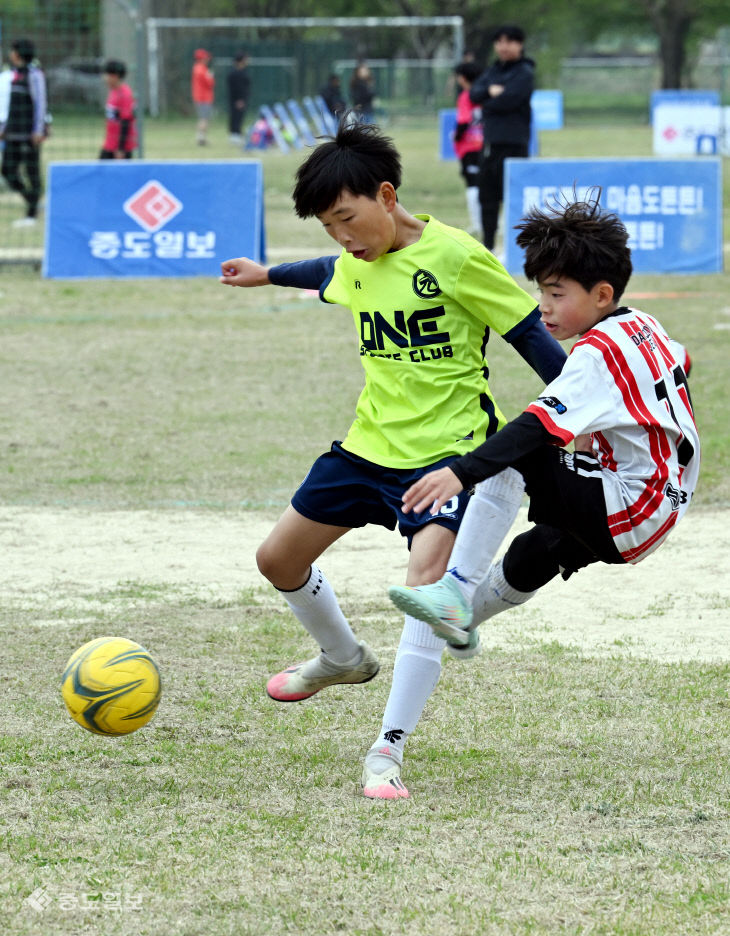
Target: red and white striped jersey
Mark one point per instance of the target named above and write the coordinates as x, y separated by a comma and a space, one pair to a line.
625, 384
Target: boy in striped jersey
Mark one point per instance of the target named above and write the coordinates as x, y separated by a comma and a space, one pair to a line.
623, 391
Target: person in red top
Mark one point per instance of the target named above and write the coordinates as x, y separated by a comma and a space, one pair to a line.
121, 130
202, 86
468, 141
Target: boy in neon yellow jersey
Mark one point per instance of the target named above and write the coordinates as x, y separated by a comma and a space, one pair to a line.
424, 297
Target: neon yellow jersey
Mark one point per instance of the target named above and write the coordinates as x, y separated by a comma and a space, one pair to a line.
423, 314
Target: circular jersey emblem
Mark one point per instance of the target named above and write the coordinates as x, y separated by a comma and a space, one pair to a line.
425, 284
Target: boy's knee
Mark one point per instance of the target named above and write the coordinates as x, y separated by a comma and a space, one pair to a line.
267, 562
279, 568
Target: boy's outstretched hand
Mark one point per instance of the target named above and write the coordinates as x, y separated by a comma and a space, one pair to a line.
432, 490
244, 272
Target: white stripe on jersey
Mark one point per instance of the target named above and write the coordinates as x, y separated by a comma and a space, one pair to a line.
624, 383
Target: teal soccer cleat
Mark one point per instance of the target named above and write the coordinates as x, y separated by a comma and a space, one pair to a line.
441, 606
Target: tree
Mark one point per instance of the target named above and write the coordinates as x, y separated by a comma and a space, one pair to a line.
678, 24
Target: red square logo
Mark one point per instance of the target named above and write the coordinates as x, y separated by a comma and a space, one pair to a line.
152, 206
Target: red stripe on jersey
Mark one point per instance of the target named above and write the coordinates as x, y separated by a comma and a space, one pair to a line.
632, 328
606, 450
619, 523
632, 555
617, 365
563, 434
665, 352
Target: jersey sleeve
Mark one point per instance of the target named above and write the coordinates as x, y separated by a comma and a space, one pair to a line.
578, 401
501, 450
304, 274
487, 290
541, 351
681, 354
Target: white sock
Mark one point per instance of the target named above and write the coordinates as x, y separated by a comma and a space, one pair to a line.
474, 208
494, 594
415, 674
488, 518
315, 606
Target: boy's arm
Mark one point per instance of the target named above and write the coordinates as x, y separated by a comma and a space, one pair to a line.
500, 451
541, 351
517, 438
305, 274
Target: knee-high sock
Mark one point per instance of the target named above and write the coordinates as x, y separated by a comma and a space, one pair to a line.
488, 518
494, 594
315, 606
415, 674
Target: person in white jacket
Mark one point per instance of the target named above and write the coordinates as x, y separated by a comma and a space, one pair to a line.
23, 119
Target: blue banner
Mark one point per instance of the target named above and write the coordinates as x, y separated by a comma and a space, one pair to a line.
672, 208
688, 96
547, 114
547, 109
132, 218
447, 126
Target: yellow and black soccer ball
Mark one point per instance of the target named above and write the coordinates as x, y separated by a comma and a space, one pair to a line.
111, 686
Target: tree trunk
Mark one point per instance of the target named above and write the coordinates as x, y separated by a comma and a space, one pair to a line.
672, 20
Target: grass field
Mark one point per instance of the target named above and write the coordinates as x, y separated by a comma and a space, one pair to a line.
554, 790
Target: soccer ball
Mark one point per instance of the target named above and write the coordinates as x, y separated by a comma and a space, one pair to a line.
111, 686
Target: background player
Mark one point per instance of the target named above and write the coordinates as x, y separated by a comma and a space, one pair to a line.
423, 296
120, 140
625, 384
468, 141
23, 127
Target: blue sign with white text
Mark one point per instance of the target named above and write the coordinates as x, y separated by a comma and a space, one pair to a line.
672, 208
682, 96
140, 219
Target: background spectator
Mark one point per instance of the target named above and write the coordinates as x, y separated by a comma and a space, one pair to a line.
332, 96
468, 141
503, 91
203, 91
362, 92
23, 119
239, 92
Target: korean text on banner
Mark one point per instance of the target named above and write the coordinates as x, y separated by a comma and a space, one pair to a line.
149, 219
671, 207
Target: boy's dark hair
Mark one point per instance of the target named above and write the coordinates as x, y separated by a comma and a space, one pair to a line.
358, 159
579, 241
115, 67
469, 70
25, 49
516, 33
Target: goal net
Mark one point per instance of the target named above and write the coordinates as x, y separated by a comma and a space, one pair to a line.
411, 57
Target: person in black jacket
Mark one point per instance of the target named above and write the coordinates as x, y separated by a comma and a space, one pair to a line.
332, 96
239, 89
503, 92
362, 92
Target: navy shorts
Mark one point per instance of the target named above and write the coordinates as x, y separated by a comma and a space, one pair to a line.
345, 490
